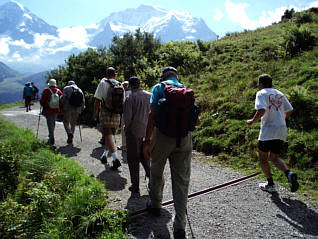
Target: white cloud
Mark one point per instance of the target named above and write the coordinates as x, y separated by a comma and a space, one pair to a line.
21, 43
77, 35
237, 14
313, 4
4, 46
267, 18
16, 56
218, 15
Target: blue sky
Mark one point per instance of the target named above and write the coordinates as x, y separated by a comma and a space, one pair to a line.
222, 16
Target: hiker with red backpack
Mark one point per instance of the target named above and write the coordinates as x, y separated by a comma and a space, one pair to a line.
109, 98
51, 103
172, 117
73, 104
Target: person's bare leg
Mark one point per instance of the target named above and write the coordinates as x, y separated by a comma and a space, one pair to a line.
109, 143
278, 162
263, 160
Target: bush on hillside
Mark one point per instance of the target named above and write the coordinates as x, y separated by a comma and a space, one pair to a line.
303, 17
297, 40
305, 115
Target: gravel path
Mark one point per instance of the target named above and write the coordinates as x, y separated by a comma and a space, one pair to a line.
241, 211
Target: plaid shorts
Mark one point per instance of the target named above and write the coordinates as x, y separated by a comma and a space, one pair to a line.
108, 122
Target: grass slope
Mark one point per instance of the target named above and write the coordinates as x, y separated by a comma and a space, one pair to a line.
46, 195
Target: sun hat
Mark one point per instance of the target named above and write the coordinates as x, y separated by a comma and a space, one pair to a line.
52, 82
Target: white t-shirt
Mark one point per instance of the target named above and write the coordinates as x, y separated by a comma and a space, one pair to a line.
275, 104
102, 89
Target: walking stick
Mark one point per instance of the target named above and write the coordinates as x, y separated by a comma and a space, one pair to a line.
37, 131
79, 126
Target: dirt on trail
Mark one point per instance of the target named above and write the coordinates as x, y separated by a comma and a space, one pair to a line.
239, 211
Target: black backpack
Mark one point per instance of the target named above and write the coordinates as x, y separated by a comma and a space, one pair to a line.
114, 102
76, 98
177, 112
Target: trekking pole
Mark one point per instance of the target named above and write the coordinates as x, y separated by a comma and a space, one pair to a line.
79, 127
192, 234
37, 131
202, 192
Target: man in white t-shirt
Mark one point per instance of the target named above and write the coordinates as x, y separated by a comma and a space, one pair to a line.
272, 107
108, 121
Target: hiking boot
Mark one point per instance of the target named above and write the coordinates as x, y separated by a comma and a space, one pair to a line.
116, 164
103, 158
179, 234
133, 189
292, 180
267, 188
70, 138
51, 142
156, 212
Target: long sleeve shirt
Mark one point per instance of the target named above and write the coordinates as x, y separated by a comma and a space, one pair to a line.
136, 112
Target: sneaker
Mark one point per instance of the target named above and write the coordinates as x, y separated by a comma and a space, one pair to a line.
103, 158
292, 180
133, 189
267, 188
116, 165
179, 234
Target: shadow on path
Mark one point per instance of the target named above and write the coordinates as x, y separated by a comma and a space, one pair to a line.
297, 214
112, 179
69, 150
97, 152
145, 225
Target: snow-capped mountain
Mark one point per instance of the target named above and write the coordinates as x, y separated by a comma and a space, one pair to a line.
27, 43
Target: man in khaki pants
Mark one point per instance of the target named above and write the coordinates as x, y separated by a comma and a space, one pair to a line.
159, 148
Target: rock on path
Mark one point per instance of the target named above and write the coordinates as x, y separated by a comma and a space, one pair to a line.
241, 211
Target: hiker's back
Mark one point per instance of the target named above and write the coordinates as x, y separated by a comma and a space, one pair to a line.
177, 112
115, 97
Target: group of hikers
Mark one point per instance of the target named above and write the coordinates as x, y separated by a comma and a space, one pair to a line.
157, 127
30, 92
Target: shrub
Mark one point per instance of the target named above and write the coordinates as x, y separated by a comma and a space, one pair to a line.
305, 115
9, 166
304, 17
297, 40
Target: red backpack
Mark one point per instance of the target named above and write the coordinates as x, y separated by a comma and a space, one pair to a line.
177, 112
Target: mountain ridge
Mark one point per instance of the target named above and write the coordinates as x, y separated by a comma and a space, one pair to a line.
31, 44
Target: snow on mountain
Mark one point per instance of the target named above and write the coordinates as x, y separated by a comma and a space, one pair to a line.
27, 43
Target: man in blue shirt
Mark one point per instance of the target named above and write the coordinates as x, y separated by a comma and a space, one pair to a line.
159, 148
28, 92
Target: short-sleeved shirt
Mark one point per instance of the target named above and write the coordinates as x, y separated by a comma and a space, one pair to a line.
275, 104
106, 118
158, 90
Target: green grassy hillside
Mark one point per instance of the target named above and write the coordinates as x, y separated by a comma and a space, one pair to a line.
46, 195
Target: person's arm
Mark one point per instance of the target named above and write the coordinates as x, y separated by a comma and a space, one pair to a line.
288, 113
127, 114
149, 130
96, 107
258, 114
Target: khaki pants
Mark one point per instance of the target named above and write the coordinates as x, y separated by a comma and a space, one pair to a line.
163, 148
70, 118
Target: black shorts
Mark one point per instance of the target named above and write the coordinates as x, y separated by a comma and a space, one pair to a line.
275, 146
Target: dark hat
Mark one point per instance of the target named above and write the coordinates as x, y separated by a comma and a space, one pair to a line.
134, 81
169, 70
111, 71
